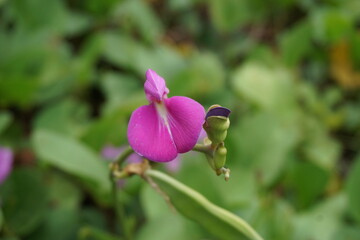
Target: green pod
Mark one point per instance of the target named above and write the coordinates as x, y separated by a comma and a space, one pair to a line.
221, 223
220, 156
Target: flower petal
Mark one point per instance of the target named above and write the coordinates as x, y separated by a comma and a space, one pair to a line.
155, 87
186, 117
6, 159
149, 136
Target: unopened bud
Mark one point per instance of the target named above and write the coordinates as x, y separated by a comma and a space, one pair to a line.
220, 156
217, 123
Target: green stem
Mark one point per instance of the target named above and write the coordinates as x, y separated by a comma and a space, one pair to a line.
120, 174
124, 155
118, 205
207, 149
119, 210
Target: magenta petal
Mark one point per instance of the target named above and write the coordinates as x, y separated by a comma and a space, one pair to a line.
6, 160
148, 135
186, 117
155, 87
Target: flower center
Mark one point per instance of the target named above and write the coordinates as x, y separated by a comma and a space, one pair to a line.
162, 111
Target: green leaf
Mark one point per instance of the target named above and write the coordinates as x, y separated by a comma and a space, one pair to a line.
18, 91
355, 50
154, 206
67, 117
203, 175
1, 218
158, 213
178, 5
94, 217
272, 217
348, 233
91, 233
177, 230
203, 77
296, 43
110, 129
275, 137
139, 15
322, 221
307, 189
228, 15
61, 223
218, 221
241, 185
74, 158
267, 87
319, 147
59, 186
331, 24
10, 238
29, 13
30, 71
352, 189
127, 52
119, 90
56, 18
62, 214
24, 200
5, 119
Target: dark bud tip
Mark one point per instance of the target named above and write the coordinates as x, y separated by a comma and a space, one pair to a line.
218, 111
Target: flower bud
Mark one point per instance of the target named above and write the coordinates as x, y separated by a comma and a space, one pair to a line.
220, 156
217, 123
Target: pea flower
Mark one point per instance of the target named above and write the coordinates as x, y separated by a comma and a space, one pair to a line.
6, 159
167, 126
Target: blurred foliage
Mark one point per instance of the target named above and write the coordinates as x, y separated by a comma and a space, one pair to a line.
71, 73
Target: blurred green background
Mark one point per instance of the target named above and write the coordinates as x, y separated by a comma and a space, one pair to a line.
71, 73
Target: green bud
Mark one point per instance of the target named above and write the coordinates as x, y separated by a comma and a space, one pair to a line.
220, 156
217, 123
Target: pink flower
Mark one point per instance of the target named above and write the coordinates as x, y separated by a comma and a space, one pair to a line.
6, 160
167, 126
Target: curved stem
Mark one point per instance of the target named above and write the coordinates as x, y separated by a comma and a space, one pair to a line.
207, 149
119, 209
114, 176
124, 155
